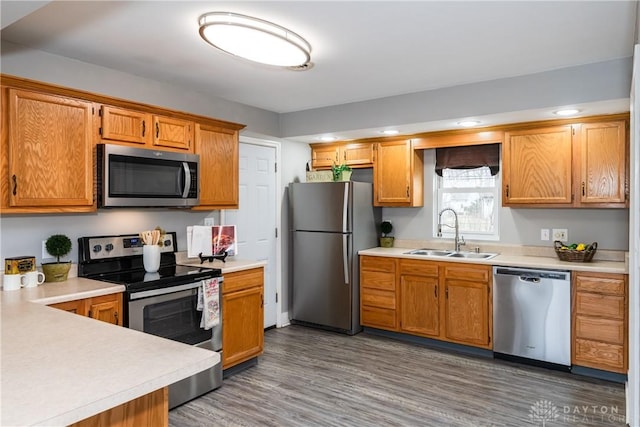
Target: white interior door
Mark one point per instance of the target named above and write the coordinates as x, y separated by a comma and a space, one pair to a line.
256, 219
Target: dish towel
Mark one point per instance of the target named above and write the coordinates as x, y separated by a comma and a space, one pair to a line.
209, 303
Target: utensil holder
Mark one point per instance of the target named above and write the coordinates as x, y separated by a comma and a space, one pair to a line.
151, 258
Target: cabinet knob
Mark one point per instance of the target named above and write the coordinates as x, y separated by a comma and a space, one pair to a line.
507, 191
15, 185
583, 189
144, 128
157, 130
115, 314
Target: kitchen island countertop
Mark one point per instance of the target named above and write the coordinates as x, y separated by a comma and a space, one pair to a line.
59, 368
527, 261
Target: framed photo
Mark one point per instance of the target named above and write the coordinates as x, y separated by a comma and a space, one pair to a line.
223, 238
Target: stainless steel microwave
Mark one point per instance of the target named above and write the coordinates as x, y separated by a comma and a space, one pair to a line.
138, 177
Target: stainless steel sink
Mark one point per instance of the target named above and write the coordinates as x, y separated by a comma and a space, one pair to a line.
443, 253
430, 252
475, 255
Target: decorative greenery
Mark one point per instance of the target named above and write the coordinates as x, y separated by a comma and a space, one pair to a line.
337, 171
386, 228
58, 245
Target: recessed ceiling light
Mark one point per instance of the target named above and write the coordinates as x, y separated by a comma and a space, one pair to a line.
254, 39
566, 112
390, 132
328, 138
469, 123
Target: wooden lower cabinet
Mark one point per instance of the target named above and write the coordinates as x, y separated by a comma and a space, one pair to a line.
378, 293
107, 308
242, 316
441, 300
599, 321
149, 410
419, 298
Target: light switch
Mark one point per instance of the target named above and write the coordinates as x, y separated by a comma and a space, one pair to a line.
544, 234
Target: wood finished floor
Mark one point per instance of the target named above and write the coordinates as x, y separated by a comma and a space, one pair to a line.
309, 377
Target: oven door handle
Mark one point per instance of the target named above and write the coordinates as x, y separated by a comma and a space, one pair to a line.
171, 290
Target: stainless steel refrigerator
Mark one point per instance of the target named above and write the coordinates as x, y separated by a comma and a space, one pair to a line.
331, 222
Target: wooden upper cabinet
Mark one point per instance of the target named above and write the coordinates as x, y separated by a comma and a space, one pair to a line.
355, 155
323, 156
48, 155
537, 166
398, 174
603, 152
119, 124
173, 133
574, 165
219, 175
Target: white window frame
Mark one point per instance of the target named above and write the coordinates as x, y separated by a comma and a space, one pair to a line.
447, 218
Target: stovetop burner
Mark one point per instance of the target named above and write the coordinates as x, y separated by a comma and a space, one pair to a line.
118, 259
136, 280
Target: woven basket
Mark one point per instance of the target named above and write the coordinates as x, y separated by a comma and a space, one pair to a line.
572, 255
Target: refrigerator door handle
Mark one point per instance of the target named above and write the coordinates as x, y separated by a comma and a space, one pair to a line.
345, 257
345, 207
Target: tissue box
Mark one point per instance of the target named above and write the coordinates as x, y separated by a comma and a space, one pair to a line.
320, 176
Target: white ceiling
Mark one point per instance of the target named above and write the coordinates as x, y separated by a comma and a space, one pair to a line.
361, 50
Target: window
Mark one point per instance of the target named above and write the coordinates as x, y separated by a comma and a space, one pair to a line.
474, 195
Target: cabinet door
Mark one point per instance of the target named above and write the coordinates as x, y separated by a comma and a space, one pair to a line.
243, 326
173, 133
603, 163
131, 126
397, 174
218, 150
75, 307
467, 312
49, 151
357, 154
419, 305
107, 308
323, 156
537, 166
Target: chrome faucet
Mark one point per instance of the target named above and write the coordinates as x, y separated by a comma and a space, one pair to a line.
459, 241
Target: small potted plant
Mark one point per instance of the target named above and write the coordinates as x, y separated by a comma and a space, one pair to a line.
57, 245
341, 172
386, 241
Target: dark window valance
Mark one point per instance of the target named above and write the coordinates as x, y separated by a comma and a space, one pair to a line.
468, 157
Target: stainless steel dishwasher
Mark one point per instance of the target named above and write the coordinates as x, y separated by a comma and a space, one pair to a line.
532, 314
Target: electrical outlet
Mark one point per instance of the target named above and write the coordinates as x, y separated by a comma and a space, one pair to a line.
45, 254
561, 234
544, 234
208, 221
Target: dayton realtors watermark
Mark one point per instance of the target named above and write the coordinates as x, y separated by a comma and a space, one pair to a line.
544, 413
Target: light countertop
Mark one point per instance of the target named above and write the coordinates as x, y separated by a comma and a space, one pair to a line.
59, 367
231, 265
507, 260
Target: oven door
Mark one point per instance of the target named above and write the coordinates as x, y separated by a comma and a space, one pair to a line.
171, 313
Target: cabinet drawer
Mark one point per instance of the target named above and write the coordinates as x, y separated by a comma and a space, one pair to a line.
377, 280
600, 305
378, 317
418, 268
378, 298
375, 263
613, 285
599, 355
243, 280
472, 273
599, 329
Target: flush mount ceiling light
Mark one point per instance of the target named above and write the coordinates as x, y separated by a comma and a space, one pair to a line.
390, 132
469, 123
328, 138
254, 39
566, 112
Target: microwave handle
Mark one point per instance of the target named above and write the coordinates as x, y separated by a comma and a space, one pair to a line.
187, 179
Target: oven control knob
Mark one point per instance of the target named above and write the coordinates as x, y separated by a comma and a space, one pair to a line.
97, 248
167, 242
108, 247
